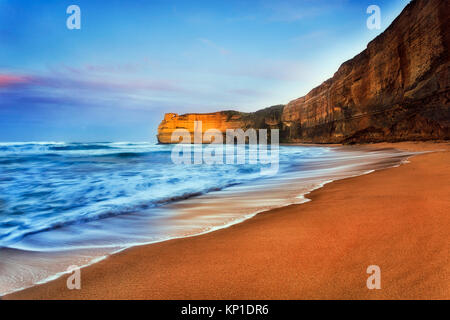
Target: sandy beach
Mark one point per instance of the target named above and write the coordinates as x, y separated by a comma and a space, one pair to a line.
396, 218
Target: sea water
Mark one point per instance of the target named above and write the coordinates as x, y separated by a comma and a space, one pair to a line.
64, 204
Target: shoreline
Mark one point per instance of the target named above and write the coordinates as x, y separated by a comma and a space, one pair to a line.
229, 206
56, 288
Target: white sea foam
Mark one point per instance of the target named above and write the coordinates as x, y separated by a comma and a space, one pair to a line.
119, 223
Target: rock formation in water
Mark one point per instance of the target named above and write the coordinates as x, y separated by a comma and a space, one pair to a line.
269, 118
397, 89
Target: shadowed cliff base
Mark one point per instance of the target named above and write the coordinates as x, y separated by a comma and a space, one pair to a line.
395, 90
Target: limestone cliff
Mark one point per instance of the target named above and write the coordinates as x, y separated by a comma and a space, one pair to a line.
219, 120
263, 119
397, 89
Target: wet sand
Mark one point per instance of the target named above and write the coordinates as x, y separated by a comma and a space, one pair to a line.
396, 218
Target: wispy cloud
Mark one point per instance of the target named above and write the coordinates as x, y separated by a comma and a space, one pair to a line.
319, 35
290, 11
241, 18
80, 89
64, 82
265, 69
245, 92
214, 46
10, 79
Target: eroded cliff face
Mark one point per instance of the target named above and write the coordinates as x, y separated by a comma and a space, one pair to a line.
397, 89
269, 118
218, 120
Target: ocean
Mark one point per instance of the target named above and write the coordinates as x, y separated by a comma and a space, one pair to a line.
64, 204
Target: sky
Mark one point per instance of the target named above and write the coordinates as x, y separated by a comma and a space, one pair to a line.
133, 61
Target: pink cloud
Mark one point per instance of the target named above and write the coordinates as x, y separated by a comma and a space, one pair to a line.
9, 80
68, 82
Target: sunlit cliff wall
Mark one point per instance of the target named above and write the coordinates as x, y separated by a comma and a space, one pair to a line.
397, 89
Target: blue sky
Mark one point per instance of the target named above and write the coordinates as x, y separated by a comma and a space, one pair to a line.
132, 61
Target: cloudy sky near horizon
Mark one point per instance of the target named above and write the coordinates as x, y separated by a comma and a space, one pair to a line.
132, 61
